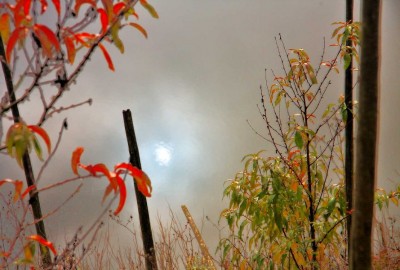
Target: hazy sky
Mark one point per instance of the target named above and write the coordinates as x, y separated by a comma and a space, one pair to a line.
191, 87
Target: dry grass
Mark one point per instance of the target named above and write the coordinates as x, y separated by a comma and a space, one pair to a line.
176, 246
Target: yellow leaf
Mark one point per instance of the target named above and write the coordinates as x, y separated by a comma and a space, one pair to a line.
395, 201
5, 27
149, 8
116, 40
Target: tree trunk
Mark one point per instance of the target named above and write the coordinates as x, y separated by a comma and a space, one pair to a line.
365, 169
349, 144
26, 162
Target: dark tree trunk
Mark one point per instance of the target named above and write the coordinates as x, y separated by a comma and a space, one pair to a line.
26, 162
365, 169
349, 144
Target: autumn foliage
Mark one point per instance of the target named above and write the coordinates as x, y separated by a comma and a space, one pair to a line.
50, 41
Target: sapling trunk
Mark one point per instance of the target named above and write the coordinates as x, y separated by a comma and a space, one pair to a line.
26, 162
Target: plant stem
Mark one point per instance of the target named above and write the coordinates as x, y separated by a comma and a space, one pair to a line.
26, 162
311, 215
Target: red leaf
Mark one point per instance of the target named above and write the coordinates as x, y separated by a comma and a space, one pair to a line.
142, 180
56, 4
88, 168
26, 192
107, 57
118, 7
42, 133
103, 19
18, 34
291, 154
101, 168
21, 13
27, 7
43, 242
140, 28
44, 6
76, 159
47, 39
80, 38
71, 51
122, 194
79, 3
107, 192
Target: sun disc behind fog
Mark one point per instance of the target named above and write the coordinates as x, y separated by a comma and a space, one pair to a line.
163, 153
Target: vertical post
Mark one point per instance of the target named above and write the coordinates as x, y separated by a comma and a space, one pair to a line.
367, 138
349, 141
147, 237
26, 162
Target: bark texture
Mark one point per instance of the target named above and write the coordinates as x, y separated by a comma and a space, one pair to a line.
367, 135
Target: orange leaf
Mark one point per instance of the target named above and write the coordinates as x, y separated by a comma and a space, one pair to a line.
5, 254
5, 27
103, 19
42, 133
108, 5
122, 194
142, 180
43, 242
18, 187
47, 39
71, 51
107, 57
292, 153
76, 159
140, 28
18, 34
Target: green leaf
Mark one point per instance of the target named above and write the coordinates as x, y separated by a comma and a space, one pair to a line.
331, 206
343, 108
347, 60
278, 98
115, 37
298, 140
346, 34
328, 109
37, 148
240, 233
311, 74
149, 8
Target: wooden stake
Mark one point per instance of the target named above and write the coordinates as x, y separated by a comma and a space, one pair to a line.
202, 244
147, 237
